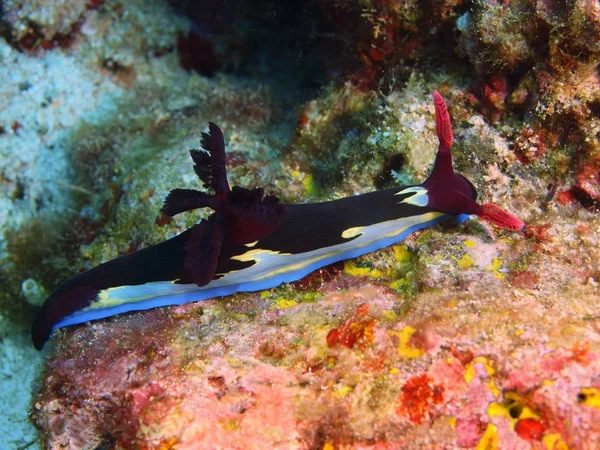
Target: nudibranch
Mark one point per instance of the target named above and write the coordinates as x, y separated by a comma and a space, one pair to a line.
253, 242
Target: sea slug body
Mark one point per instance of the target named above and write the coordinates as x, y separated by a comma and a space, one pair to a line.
253, 242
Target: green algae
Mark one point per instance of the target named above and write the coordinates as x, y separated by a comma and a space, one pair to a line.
332, 148
498, 32
38, 251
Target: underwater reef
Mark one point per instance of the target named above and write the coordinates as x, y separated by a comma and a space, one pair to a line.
458, 337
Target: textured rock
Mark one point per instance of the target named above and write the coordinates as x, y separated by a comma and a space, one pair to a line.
452, 340
471, 368
43, 19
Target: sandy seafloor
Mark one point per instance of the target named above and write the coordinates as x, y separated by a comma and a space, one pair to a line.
95, 132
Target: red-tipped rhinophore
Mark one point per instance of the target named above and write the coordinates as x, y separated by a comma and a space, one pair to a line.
452, 193
443, 127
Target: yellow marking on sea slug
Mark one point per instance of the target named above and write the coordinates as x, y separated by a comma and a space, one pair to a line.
254, 255
352, 232
109, 297
251, 244
291, 267
355, 231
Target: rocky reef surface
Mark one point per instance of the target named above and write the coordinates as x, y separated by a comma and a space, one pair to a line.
458, 338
